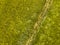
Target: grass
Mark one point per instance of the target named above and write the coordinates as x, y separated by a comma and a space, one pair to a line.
17, 18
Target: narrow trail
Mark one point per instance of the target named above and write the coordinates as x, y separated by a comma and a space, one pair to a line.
41, 17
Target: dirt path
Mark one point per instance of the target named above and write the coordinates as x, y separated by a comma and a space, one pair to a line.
41, 18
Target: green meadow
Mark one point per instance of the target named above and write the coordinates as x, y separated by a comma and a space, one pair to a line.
17, 19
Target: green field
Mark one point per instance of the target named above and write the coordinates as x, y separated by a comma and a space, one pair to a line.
17, 19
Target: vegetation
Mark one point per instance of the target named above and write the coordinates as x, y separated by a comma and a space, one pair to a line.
18, 18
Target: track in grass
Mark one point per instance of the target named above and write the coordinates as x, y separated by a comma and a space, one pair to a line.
41, 18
